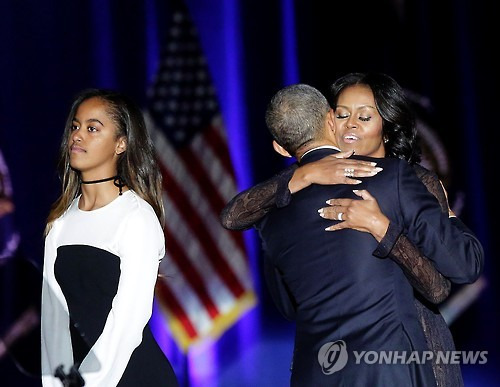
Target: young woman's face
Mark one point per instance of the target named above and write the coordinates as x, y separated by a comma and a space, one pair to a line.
93, 145
358, 122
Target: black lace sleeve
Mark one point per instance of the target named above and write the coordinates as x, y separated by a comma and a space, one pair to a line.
420, 272
417, 268
249, 206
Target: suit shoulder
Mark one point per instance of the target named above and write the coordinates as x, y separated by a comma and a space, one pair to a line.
392, 163
402, 169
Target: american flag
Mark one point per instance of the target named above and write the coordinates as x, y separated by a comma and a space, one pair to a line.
205, 282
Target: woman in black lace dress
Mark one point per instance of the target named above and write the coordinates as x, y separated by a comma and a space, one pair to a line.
431, 287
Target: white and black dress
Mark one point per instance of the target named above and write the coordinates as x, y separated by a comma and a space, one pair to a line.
99, 275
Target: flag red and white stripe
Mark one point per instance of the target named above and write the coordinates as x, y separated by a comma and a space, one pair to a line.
205, 282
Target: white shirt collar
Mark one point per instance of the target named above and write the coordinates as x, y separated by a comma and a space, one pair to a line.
320, 147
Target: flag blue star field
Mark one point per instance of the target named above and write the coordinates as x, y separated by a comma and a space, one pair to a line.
205, 283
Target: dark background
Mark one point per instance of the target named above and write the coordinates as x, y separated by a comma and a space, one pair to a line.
443, 52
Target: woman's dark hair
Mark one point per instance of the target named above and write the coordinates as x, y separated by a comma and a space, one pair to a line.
399, 129
137, 166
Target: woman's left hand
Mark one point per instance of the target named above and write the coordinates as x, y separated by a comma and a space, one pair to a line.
361, 215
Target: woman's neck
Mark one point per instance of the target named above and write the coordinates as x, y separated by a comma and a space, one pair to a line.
97, 190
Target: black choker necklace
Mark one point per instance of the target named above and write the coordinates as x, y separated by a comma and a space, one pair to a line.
99, 181
118, 182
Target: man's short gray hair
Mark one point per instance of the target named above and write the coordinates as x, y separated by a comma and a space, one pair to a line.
295, 115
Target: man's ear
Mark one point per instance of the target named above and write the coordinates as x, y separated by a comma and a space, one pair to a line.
121, 146
331, 120
279, 149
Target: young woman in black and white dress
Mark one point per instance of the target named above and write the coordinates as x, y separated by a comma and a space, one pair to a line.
104, 242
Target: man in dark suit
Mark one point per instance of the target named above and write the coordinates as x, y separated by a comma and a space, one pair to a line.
343, 295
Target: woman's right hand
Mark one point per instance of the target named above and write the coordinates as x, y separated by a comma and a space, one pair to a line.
333, 169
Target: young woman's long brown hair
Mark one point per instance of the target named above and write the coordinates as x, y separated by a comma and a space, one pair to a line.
137, 166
